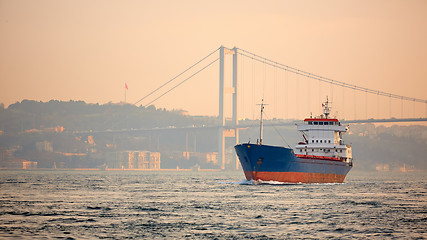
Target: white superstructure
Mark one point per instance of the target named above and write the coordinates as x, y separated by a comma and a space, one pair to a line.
323, 138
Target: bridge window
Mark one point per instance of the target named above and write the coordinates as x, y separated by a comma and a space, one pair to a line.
320, 141
331, 123
310, 123
315, 123
320, 123
300, 150
317, 141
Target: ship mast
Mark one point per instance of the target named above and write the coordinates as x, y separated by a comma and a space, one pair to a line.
326, 108
260, 124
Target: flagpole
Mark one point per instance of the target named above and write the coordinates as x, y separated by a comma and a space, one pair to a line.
126, 88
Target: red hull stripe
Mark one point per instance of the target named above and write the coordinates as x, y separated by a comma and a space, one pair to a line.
295, 177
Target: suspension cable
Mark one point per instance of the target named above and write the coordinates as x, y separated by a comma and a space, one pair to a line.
324, 79
194, 74
175, 77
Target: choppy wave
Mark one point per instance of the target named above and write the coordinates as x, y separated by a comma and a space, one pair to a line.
260, 182
173, 205
242, 182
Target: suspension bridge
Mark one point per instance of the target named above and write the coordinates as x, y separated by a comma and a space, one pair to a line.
291, 92
292, 95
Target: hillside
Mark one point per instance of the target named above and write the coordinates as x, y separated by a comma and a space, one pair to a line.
26, 125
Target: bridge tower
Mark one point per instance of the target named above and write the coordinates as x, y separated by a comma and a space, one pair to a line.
227, 130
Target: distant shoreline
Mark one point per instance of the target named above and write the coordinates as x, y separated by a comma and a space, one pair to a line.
114, 169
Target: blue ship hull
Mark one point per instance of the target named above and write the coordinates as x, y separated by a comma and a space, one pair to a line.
271, 163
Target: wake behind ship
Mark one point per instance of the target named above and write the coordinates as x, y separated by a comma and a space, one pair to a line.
321, 158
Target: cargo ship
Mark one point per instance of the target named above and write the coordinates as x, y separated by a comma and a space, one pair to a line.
321, 158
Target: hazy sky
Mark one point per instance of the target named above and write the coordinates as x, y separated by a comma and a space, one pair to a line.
87, 50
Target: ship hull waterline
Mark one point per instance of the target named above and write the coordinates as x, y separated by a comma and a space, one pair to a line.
272, 163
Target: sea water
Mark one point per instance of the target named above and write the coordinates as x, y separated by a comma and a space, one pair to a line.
208, 205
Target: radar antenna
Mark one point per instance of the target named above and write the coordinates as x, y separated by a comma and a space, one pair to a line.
326, 109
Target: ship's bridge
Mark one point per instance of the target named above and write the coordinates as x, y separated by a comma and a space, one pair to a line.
323, 137
322, 124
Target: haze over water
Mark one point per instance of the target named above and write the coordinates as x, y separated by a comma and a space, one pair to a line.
208, 205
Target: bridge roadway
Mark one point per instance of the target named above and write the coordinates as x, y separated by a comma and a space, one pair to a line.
267, 124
